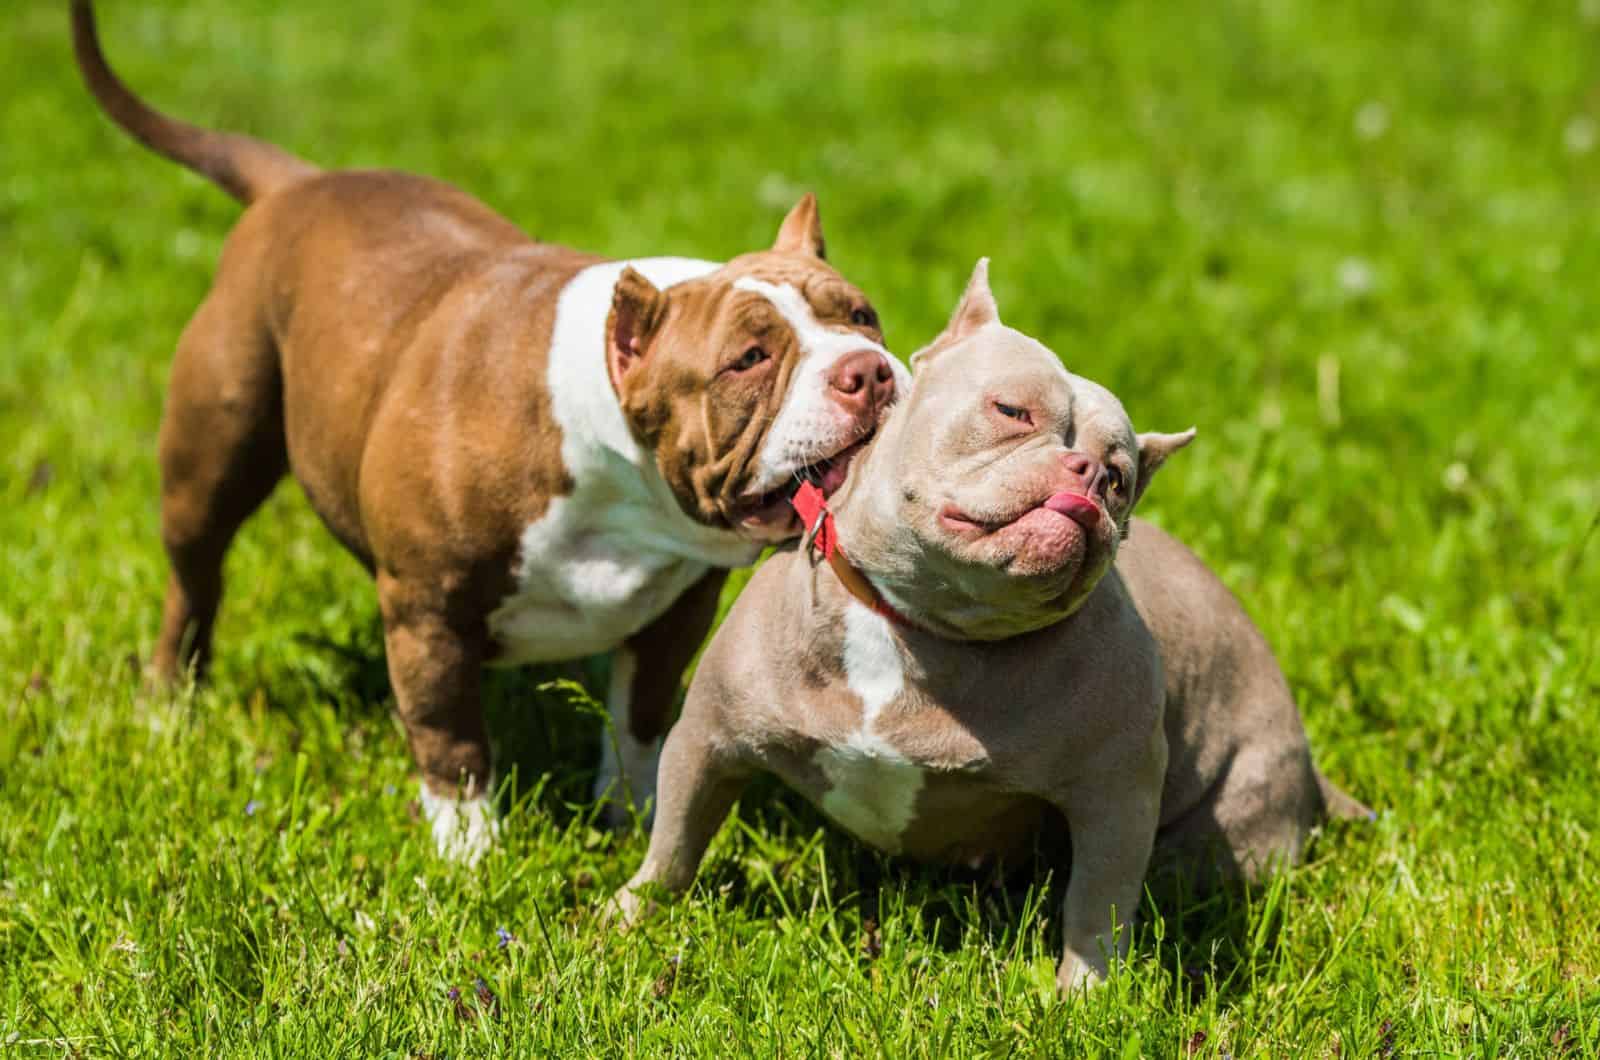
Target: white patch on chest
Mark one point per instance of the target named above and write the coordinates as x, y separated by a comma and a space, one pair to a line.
604, 561
872, 786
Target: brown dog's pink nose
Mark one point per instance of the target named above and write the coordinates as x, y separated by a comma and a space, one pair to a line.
1090, 473
862, 381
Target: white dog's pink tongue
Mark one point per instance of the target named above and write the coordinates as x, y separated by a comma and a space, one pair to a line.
1077, 507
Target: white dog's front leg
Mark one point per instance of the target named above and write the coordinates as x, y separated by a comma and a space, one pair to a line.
699, 787
1113, 817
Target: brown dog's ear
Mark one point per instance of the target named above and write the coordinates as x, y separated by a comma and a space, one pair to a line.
637, 309
801, 231
975, 309
1154, 448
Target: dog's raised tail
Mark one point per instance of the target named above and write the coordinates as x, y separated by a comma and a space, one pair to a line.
1341, 805
241, 166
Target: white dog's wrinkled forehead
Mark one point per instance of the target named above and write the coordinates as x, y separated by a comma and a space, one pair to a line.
998, 363
1023, 358
1097, 412
991, 359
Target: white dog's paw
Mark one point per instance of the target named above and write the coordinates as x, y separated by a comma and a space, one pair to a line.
464, 830
625, 909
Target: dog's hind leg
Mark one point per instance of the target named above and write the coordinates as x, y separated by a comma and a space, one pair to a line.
1253, 821
222, 451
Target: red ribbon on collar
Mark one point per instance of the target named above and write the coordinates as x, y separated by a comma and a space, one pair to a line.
817, 518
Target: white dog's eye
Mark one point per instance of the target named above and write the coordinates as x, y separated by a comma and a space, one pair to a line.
1013, 412
1116, 481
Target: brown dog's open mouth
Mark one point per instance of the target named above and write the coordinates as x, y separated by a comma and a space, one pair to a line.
829, 474
771, 513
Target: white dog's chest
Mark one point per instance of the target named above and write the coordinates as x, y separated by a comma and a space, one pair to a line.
871, 791
900, 764
871, 786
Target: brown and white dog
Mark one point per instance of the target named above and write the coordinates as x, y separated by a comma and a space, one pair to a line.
992, 661
540, 454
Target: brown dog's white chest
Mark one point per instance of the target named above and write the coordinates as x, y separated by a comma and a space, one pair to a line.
603, 561
584, 587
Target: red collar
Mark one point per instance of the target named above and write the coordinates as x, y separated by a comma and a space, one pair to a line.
818, 521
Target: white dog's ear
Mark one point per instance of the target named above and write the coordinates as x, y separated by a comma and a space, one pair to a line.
801, 231
1154, 448
975, 310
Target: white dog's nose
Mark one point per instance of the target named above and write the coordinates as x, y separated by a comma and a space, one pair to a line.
1090, 473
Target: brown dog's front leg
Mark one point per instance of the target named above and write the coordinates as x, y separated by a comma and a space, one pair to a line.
1112, 815
698, 786
435, 666
646, 676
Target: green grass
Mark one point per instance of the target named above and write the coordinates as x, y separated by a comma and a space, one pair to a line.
1355, 243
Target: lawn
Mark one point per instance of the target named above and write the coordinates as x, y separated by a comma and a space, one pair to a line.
1356, 244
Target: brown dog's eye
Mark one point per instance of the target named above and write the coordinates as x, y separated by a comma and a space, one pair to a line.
749, 359
1115, 480
1012, 412
864, 317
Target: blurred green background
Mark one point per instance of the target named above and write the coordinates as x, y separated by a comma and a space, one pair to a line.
1355, 244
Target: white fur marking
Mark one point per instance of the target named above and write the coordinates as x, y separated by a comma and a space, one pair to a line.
627, 766
605, 560
464, 830
809, 424
586, 406
872, 786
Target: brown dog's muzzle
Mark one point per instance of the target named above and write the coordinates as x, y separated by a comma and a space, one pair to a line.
862, 382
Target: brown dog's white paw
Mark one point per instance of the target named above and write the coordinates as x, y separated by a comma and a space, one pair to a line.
464, 830
625, 784
1076, 974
